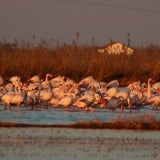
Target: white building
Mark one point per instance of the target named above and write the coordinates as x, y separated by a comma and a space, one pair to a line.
116, 48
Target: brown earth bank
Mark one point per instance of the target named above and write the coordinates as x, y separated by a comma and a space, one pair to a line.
137, 123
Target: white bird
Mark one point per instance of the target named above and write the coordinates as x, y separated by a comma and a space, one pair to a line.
90, 82
156, 88
57, 81
135, 86
15, 80
90, 96
32, 86
54, 102
111, 92
6, 99
35, 79
80, 104
67, 100
59, 92
9, 87
124, 96
45, 96
46, 84
154, 100
19, 97
113, 83
83, 105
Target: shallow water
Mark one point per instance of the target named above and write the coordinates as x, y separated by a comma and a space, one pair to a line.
61, 116
71, 144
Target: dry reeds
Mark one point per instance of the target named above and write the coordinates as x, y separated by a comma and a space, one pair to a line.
77, 62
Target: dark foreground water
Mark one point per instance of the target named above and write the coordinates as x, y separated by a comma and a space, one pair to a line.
75, 144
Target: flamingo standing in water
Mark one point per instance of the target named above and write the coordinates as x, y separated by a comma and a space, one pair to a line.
10, 93
13, 97
46, 93
6, 99
19, 97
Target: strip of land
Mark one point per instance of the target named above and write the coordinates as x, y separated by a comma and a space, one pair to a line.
140, 123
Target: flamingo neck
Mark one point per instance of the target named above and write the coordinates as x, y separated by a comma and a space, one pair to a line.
149, 94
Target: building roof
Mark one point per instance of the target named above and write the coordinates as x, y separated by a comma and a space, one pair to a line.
116, 48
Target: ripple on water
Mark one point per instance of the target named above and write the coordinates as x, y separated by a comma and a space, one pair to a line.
62, 143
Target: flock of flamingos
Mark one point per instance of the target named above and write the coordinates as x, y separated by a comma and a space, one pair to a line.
88, 94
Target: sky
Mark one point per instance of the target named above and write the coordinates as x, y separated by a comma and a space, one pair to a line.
60, 20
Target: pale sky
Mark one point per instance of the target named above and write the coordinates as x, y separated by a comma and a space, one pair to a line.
62, 19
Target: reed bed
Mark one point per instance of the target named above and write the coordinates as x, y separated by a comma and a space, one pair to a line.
76, 61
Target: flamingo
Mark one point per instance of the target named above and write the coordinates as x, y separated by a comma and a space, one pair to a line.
2, 91
19, 97
89, 82
70, 83
59, 92
154, 100
156, 87
57, 81
83, 105
113, 83
135, 86
35, 79
80, 104
46, 84
138, 97
6, 99
13, 97
67, 100
124, 96
15, 80
45, 96
90, 96
32, 97
113, 103
54, 102
33, 90
111, 92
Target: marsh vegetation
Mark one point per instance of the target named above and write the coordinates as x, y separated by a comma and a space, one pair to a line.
76, 61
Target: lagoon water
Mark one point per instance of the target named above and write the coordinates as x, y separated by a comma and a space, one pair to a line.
62, 116
70, 144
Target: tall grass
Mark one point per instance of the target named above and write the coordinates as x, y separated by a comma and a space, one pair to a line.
77, 62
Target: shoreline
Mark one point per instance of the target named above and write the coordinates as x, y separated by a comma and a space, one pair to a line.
89, 125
